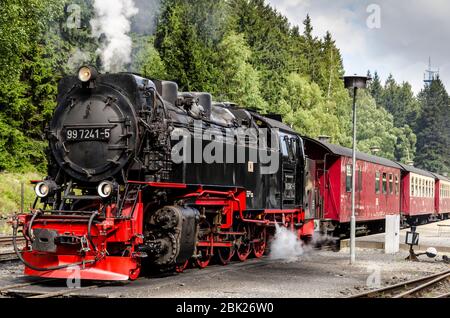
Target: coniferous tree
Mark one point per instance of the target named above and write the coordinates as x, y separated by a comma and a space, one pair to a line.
432, 129
243, 51
239, 81
376, 88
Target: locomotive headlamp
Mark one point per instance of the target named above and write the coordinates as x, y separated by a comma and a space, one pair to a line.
87, 73
105, 189
44, 189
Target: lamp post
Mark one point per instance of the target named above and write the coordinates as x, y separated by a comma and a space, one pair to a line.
354, 82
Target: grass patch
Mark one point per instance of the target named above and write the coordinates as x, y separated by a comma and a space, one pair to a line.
10, 193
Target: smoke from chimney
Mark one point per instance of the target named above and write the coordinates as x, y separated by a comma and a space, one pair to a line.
112, 22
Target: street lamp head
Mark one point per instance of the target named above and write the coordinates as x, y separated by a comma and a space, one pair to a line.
324, 138
355, 81
375, 150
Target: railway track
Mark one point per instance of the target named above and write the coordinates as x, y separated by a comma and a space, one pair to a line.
431, 286
49, 288
7, 243
57, 288
8, 256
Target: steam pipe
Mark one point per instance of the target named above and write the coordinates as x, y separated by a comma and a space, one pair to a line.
91, 219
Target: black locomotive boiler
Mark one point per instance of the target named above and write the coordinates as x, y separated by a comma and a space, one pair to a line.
142, 174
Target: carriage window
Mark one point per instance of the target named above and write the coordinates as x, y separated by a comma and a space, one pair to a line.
377, 182
348, 179
391, 183
396, 185
384, 183
360, 180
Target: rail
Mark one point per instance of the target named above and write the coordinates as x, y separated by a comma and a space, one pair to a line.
429, 286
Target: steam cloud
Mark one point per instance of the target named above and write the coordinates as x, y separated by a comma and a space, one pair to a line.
286, 245
112, 20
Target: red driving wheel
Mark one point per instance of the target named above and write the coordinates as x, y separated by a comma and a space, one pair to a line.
244, 247
134, 273
259, 245
204, 252
225, 254
182, 267
204, 257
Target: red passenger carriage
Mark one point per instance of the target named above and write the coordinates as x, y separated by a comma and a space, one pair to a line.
377, 187
442, 196
418, 195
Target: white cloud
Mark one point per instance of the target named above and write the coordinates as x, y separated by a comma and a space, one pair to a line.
411, 31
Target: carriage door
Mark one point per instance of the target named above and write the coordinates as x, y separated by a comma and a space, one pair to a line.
288, 145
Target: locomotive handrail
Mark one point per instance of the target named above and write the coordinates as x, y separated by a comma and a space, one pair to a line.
82, 197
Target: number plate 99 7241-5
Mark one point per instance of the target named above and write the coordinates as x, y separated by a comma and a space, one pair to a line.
86, 134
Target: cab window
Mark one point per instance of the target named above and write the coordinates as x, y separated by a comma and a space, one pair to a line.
284, 146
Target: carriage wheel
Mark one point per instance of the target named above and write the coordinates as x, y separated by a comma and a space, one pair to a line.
225, 254
182, 267
244, 247
204, 257
259, 247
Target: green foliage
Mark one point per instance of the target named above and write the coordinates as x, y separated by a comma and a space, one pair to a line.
19, 152
27, 80
148, 62
376, 129
186, 39
10, 184
34, 55
239, 81
433, 132
10, 194
400, 102
241, 51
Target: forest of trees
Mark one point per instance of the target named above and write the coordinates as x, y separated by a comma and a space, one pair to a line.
239, 50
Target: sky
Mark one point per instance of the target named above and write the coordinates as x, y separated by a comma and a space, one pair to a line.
387, 36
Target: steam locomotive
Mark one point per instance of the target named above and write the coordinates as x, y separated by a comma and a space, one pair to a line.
142, 175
